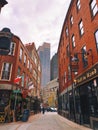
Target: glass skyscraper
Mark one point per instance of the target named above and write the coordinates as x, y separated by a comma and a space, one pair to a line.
44, 54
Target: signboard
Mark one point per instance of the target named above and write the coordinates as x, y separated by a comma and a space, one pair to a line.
74, 66
89, 74
16, 91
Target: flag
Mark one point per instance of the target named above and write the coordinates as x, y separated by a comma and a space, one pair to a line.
17, 79
31, 87
30, 83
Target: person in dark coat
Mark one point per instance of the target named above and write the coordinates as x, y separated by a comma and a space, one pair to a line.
43, 109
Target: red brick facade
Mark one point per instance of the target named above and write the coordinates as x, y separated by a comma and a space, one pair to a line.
79, 39
88, 39
28, 69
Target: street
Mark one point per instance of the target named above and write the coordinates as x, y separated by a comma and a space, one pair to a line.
47, 121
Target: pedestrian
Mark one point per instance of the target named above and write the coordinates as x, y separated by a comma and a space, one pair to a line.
43, 110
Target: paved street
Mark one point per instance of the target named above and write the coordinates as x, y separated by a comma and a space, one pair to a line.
48, 121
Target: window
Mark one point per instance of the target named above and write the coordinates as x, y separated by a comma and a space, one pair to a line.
69, 72
39, 67
21, 53
73, 41
78, 4
30, 67
66, 32
65, 77
25, 58
84, 56
67, 50
96, 37
28, 64
71, 20
19, 70
6, 71
26, 80
81, 28
22, 81
93, 7
12, 48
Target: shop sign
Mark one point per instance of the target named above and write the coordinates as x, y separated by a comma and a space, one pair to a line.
16, 91
91, 73
74, 66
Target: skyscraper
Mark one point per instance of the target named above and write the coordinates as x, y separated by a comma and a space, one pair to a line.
44, 54
54, 67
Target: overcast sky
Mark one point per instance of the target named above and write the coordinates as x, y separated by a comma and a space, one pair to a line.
35, 21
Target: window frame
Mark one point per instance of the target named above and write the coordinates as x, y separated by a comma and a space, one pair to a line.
78, 5
73, 41
21, 54
93, 7
5, 69
84, 54
96, 39
67, 31
12, 48
71, 20
81, 28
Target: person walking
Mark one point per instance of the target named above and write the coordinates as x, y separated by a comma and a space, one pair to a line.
43, 110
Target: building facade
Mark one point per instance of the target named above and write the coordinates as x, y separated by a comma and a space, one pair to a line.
78, 63
37, 66
19, 79
49, 94
2, 3
44, 54
54, 67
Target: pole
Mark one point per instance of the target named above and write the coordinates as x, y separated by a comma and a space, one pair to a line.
15, 106
73, 93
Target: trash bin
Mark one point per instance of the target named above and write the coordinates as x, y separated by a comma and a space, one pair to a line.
25, 116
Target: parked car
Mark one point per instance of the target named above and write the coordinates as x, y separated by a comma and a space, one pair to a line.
51, 109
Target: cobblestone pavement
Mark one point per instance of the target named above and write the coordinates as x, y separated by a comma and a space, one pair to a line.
48, 121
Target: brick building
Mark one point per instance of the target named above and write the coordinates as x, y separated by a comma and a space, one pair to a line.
78, 63
19, 63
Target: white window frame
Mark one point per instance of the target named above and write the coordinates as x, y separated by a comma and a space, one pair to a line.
93, 7
96, 38
73, 41
25, 58
81, 28
78, 4
12, 48
21, 54
66, 30
6, 71
71, 20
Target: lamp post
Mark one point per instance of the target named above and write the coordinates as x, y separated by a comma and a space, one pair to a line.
74, 68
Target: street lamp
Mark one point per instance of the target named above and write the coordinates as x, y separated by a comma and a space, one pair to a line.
74, 66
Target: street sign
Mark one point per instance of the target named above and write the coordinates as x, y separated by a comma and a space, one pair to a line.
17, 91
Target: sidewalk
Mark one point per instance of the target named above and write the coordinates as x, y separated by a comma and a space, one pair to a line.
74, 125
